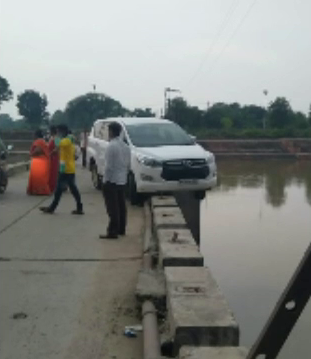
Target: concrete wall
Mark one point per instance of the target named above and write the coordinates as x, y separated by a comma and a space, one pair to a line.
18, 156
200, 321
16, 168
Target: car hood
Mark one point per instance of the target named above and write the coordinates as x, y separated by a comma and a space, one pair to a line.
165, 153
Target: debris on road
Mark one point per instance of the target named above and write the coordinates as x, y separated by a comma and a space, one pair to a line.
130, 333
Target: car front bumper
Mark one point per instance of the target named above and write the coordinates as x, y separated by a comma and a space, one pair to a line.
160, 187
150, 181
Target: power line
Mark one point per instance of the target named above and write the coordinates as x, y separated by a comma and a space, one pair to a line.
222, 27
233, 34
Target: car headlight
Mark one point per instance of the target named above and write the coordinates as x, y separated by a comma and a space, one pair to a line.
149, 162
210, 159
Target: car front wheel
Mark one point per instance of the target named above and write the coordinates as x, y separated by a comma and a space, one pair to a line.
133, 196
95, 177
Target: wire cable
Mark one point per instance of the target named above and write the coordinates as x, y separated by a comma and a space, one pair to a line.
222, 27
233, 34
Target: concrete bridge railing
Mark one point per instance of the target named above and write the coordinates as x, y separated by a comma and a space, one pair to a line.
199, 321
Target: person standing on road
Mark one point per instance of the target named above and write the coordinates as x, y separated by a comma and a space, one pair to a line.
54, 159
83, 146
117, 166
39, 174
66, 173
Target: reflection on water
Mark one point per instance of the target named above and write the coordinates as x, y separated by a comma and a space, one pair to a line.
255, 228
273, 175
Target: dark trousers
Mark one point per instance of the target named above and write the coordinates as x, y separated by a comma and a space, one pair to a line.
116, 208
83, 151
64, 180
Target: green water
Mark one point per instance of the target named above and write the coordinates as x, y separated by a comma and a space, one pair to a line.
255, 228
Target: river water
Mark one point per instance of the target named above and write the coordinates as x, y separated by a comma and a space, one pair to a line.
255, 228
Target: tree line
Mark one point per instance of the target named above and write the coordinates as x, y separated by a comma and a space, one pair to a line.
235, 120
80, 112
217, 120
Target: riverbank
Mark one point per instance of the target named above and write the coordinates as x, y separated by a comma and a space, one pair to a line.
295, 148
299, 148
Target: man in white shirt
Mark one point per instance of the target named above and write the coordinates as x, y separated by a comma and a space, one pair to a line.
117, 166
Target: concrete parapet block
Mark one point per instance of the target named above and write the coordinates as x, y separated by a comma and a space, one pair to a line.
177, 248
213, 353
163, 201
198, 312
168, 217
18, 168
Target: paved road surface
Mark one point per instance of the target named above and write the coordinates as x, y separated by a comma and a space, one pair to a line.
64, 292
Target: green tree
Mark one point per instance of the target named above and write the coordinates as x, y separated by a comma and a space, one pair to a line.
189, 117
253, 116
234, 112
280, 113
32, 106
226, 123
83, 110
142, 112
6, 93
58, 117
177, 111
213, 116
6, 122
300, 120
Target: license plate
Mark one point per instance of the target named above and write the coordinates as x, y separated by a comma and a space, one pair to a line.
188, 181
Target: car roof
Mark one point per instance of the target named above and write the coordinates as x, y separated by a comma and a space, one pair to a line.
134, 120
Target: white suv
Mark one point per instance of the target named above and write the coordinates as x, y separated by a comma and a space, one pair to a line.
164, 157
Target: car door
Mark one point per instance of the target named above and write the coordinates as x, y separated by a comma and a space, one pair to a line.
125, 138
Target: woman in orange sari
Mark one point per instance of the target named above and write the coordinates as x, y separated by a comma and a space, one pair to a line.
40, 167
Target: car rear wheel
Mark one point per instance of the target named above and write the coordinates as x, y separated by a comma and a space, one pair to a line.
199, 195
95, 177
134, 197
3, 181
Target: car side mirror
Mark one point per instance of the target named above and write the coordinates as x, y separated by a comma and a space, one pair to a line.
194, 138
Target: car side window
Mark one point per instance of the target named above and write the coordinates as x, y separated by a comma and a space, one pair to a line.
96, 130
102, 131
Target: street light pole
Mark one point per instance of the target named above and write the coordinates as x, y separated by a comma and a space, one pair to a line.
265, 92
167, 91
165, 101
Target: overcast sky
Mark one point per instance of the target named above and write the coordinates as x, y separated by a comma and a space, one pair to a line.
212, 50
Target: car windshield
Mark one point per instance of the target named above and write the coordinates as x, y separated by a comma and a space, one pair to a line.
158, 134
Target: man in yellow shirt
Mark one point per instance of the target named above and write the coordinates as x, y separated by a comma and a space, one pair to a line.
67, 169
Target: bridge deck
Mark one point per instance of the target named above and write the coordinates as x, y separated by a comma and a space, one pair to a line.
64, 292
